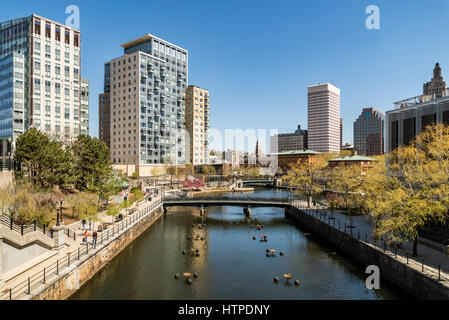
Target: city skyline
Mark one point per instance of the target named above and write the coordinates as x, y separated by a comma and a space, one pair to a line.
369, 82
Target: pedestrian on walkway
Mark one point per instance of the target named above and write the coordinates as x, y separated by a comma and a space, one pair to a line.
83, 222
94, 236
86, 236
90, 224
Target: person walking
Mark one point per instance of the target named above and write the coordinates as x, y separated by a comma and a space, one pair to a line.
83, 222
94, 236
86, 236
90, 224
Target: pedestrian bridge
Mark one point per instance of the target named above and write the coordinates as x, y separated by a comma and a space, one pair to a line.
225, 201
258, 182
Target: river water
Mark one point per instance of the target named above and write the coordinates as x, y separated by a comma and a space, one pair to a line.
231, 264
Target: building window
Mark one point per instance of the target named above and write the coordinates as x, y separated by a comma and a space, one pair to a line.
58, 34
48, 30
37, 27
67, 37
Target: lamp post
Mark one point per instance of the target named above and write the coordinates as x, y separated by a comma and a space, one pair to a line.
60, 210
57, 213
9, 154
126, 199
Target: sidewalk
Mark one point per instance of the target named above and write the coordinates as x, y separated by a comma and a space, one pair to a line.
433, 258
22, 276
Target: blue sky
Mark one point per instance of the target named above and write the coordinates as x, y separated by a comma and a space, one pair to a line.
258, 57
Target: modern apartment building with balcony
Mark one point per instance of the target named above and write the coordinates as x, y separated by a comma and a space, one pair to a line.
84, 107
40, 80
144, 100
197, 124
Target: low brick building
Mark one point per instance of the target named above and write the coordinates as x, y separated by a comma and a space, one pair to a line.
355, 159
285, 159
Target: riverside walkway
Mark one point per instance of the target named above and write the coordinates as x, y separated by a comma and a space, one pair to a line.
430, 261
22, 285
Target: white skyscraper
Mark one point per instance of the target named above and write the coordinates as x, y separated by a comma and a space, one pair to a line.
323, 113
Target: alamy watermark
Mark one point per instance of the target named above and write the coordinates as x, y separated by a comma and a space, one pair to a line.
373, 20
373, 280
73, 20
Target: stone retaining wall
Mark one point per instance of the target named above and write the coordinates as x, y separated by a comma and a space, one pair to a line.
72, 278
397, 272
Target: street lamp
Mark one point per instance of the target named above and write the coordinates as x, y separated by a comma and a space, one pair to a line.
9, 153
61, 201
57, 213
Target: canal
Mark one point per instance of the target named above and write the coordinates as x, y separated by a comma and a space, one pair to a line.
231, 265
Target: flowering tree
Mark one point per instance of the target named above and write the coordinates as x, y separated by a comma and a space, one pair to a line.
195, 183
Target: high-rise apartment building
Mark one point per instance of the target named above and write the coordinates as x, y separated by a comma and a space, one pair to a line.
289, 141
104, 126
146, 88
368, 132
84, 107
323, 113
197, 124
40, 79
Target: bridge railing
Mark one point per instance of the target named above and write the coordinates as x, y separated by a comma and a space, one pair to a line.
227, 198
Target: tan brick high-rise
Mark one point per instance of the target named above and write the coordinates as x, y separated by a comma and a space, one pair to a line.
197, 124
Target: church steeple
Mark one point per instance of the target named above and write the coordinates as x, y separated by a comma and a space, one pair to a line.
257, 151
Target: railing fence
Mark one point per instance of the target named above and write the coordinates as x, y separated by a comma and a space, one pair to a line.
41, 277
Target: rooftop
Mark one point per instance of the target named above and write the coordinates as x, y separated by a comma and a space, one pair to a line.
419, 100
146, 38
353, 158
298, 152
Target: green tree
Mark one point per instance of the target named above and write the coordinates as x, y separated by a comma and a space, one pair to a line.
93, 169
113, 211
208, 171
171, 171
57, 166
347, 181
28, 151
417, 191
308, 177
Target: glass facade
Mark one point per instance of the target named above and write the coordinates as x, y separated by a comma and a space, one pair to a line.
161, 78
40, 79
12, 96
368, 132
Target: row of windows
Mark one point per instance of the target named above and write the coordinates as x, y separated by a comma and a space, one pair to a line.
56, 33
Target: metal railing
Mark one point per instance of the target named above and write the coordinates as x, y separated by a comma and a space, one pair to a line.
433, 272
180, 198
23, 229
9, 165
84, 251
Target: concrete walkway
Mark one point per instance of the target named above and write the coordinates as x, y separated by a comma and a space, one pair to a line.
33, 267
433, 258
